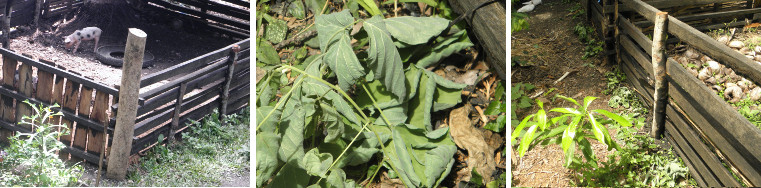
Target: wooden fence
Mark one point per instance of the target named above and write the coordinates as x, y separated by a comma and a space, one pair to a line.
705, 131
219, 79
228, 16
57, 7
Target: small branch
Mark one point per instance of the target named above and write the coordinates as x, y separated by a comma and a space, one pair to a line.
536, 95
481, 114
297, 39
562, 77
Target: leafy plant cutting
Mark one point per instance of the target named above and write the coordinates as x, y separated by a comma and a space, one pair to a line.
367, 96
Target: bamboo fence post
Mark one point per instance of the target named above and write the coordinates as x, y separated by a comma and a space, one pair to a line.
177, 111
659, 70
226, 90
128, 97
7, 25
616, 34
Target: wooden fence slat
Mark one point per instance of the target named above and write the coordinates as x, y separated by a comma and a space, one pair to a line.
7, 132
99, 114
85, 102
9, 72
69, 102
25, 88
636, 34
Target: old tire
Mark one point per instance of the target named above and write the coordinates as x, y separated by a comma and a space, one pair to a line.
112, 55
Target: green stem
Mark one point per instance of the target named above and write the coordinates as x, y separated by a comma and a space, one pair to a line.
280, 102
375, 104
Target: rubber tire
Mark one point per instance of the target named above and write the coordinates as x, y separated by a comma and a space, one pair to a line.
104, 55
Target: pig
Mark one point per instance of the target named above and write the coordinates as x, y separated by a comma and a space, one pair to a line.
87, 33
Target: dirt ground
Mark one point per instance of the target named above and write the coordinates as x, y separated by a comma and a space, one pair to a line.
549, 42
169, 46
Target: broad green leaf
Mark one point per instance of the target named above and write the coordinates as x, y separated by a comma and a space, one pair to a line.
569, 134
276, 29
527, 139
621, 121
266, 54
266, 155
409, 137
314, 87
436, 162
384, 57
395, 115
587, 100
500, 91
316, 163
413, 79
566, 111
336, 179
493, 108
333, 124
476, 178
568, 99
520, 127
436, 134
383, 98
553, 132
297, 10
420, 106
403, 161
292, 123
497, 126
271, 123
315, 6
335, 43
446, 98
541, 116
596, 128
291, 175
586, 149
415, 30
370, 6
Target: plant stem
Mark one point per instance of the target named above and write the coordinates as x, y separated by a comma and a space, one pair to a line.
279, 102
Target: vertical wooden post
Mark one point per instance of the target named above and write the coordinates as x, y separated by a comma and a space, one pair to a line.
177, 111
616, 33
659, 69
7, 25
230, 70
585, 4
37, 12
128, 96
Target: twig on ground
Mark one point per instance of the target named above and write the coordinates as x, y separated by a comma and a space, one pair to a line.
481, 114
562, 77
537, 94
297, 39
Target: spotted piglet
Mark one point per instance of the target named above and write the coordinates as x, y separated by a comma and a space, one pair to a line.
88, 33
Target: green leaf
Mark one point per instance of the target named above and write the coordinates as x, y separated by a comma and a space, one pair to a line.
403, 161
436, 162
415, 30
276, 29
541, 116
587, 100
291, 175
370, 6
429, 2
297, 10
292, 122
443, 50
500, 91
527, 139
621, 121
333, 124
271, 123
569, 155
413, 79
420, 106
335, 43
596, 129
493, 108
566, 111
336, 179
315, 6
446, 98
438, 133
395, 114
384, 57
314, 87
383, 98
520, 127
266, 54
441, 81
568, 99
316, 163
497, 126
476, 178
266, 155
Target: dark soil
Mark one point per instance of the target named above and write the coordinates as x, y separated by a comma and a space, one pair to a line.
170, 45
551, 49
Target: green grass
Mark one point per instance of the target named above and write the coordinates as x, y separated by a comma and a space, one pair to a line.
208, 155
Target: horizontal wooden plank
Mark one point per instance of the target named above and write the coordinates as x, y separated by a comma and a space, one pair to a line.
636, 34
690, 141
66, 113
660, 4
66, 74
207, 78
188, 11
240, 103
216, 67
152, 122
729, 131
90, 158
697, 162
197, 114
693, 172
216, 7
192, 64
639, 56
213, 88
694, 17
